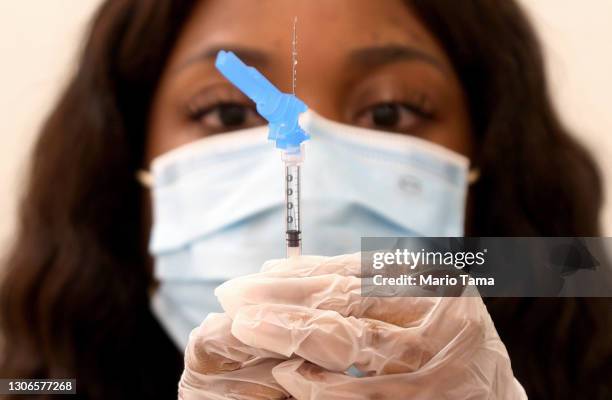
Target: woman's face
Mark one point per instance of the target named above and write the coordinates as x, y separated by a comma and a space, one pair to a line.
361, 62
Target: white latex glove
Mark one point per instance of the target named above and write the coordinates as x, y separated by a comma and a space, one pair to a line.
295, 328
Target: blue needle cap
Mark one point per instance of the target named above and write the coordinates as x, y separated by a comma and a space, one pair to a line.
281, 110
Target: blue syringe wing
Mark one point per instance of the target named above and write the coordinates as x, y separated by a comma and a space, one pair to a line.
280, 109
250, 81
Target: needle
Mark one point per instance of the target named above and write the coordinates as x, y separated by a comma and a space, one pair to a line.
294, 56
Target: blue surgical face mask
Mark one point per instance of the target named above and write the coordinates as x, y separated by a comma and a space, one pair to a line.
218, 205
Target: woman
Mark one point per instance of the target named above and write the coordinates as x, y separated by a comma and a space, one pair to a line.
75, 301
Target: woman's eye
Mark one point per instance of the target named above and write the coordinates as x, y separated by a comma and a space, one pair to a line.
228, 116
396, 117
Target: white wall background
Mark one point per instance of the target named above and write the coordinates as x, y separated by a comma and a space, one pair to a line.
38, 44
38, 40
578, 42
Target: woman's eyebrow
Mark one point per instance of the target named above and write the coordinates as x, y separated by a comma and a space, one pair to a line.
249, 55
379, 55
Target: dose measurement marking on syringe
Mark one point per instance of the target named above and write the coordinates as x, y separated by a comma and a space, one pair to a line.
292, 197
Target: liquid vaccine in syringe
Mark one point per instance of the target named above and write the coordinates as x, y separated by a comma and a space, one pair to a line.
292, 204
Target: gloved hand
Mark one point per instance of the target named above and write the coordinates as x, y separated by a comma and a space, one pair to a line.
296, 327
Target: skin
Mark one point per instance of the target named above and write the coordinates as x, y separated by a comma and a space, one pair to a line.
365, 63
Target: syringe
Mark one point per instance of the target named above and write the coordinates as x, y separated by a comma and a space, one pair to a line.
281, 110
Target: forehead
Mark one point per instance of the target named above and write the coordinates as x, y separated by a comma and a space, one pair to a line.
326, 29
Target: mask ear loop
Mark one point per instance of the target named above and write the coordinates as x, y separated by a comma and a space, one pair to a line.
145, 178
473, 175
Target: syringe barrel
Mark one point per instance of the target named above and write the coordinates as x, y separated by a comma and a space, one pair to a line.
292, 204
